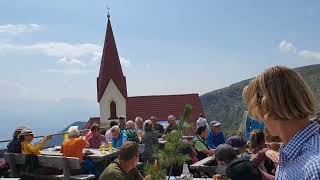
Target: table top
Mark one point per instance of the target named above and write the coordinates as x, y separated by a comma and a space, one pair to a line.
202, 162
96, 153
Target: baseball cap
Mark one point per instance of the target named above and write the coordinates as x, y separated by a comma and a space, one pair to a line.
214, 123
241, 169
225, 152
236, 142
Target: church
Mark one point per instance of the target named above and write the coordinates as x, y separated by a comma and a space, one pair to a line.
113, 99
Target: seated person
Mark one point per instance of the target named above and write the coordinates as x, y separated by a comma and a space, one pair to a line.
26, 145
73, 147
216, 136
172, 124
238, 143
125, 168
108, 134
257, 141
241, 168
151, 142
130, 132
200, 144
202, 121
94, 138
118, 137
14, 145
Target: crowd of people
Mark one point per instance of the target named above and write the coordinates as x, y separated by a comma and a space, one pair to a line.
288, 147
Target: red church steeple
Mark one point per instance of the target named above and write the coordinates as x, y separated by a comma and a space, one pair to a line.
110, 67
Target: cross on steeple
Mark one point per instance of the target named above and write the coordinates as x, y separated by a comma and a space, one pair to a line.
108, 9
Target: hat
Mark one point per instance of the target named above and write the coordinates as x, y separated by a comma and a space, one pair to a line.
236, 142
26, 131
202, 122
122, 117
20, 128
214, 123
240, 169
225, 152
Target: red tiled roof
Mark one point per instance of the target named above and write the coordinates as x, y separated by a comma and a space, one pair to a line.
92, 120
163, 105
110, 67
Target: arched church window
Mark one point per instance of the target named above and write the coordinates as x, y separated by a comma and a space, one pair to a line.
113, 110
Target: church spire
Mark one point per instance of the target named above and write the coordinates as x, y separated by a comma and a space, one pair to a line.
110, 68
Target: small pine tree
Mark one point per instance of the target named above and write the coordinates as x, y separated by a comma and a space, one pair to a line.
170, 156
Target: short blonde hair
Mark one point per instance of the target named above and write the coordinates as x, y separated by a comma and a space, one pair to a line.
279, 93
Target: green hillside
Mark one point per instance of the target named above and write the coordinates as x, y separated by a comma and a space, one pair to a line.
226, 105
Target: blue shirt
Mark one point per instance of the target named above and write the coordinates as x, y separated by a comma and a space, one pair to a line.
213, 140
116, 143
252, 124
300, 158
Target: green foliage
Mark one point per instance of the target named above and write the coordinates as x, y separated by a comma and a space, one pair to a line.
171, 156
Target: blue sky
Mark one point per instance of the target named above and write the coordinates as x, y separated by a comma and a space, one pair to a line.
50, 50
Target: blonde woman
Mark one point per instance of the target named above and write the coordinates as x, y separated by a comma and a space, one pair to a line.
283, 101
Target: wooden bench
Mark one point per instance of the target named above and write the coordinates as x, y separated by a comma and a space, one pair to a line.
65, 163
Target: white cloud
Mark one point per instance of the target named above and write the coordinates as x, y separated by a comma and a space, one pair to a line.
288, 47
148, 66
67, 71
14, 29
124, 62
65, 53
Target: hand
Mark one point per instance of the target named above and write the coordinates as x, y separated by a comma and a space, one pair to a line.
147, 178
272, 155
217, 177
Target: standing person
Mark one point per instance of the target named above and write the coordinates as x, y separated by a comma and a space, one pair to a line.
118, 137
108, 134
26, 145
139, 124
172, 124
150, 140
158, 127
94, 138
216, 136
14, 145
122, 123
130, 132
283, 101
200, 144
126, 167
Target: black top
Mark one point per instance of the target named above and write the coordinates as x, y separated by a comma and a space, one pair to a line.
159, 128
14, 146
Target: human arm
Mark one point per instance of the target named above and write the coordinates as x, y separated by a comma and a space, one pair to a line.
200, 147
263, 155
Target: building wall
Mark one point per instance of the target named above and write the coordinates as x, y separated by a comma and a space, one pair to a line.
111, 93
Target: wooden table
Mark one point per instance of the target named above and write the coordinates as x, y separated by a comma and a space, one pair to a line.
97, 155
202, 166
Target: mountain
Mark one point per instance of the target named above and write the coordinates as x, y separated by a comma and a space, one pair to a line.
226, 105
58, 139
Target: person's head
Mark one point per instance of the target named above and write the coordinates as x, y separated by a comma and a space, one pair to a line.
257, 139
225, 154
27, 135
154, 120
122, 122
18, 131
73, 132
129, 154
113, 123
279, 95
131, 125
95, 129
148, 125
241, 168
139, 122
201, 122
237, 142
202, 131
215, 126
201, 115
172, 120
115, 131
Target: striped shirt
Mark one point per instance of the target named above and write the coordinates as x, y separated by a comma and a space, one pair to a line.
300, 158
